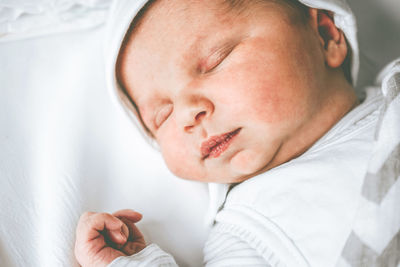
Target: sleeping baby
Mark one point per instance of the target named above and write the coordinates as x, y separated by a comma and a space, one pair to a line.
256, 95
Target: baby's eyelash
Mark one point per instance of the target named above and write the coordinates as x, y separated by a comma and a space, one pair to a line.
215, 59
162, 115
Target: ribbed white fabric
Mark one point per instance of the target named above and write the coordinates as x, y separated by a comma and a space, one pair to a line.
226, 247
223, 248
152, 255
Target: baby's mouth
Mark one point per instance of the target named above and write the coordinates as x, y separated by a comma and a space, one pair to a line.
216, 145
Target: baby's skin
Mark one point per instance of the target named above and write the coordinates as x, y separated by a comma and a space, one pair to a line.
227, 93
103, 237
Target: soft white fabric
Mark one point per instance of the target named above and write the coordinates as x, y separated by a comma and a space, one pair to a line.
123, 12
152, 255
21, 19
224, 248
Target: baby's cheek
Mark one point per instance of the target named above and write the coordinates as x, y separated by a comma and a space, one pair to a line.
262, 107
177, 155
262, 98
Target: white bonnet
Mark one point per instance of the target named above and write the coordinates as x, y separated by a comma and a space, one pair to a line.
123, 12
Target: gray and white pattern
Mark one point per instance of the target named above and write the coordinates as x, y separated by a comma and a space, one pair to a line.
375, 239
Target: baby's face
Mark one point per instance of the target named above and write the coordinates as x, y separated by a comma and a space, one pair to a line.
223, 92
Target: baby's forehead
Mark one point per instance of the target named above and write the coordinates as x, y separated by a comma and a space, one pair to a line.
186, 31
183, 11
166, 23
174, 16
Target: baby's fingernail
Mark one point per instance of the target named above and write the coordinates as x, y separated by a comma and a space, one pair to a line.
125, 230
123, 237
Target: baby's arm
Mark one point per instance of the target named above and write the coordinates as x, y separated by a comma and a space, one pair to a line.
102, 237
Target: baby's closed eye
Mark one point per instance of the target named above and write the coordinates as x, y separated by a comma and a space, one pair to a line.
215, 58
162, 114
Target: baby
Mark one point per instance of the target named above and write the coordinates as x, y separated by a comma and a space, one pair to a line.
256, 94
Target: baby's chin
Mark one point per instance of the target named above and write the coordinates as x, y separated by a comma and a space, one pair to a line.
247, 163
244, 165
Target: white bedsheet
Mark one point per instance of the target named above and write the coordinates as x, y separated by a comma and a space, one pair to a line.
65, 148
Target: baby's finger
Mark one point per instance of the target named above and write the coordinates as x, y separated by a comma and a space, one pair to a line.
90, 224
129, 214
135, 241
119, 236
134, 233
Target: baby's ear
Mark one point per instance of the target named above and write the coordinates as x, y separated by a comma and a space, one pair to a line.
331, 38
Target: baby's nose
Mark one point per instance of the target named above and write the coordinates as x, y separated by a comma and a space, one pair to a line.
194, 112
196, 120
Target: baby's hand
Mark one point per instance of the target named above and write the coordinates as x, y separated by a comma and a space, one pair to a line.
102, 237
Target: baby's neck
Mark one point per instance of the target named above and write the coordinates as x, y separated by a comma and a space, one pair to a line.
340, 99
333, 109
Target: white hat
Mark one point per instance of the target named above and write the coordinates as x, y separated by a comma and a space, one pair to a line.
123, 12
